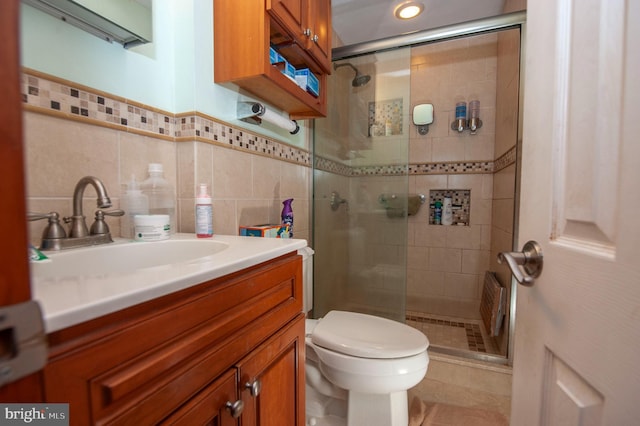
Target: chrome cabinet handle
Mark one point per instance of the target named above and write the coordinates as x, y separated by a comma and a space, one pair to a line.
315, 38
254, 387
530, 259
235, 408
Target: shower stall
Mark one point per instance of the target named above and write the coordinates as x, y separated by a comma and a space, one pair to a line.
379, 182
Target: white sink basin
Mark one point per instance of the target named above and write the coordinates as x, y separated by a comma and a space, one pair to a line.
125, 257
82, 284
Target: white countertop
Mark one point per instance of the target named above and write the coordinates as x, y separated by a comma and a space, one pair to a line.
70, 300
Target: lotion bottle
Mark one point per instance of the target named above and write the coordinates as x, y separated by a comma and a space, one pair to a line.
447, 211
204, 213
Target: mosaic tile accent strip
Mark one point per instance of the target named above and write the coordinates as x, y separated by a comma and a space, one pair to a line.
327, 165
460, 201
506, 159
332, 166
61, 97
388, 170
474, 335
451, 168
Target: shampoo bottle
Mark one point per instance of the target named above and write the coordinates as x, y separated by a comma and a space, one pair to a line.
204, 213
437, 213
447, 211
287, 215
133, 202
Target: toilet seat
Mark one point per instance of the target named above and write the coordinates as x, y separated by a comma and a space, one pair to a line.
367, 336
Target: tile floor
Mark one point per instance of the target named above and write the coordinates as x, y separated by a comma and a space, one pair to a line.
457, 333
458, 392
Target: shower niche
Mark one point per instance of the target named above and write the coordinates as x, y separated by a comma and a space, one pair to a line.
460, 203
385, 118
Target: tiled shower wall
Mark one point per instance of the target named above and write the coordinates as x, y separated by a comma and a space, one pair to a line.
446, 264
72, 131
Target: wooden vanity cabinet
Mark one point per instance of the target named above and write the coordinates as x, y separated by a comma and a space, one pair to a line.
301, 32
187, 357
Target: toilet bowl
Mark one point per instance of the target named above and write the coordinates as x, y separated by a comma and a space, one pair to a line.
358, 367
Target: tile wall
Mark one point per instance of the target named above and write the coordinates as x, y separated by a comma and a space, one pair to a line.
446, 264
71, 131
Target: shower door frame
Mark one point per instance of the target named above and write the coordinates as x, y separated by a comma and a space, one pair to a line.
513, 20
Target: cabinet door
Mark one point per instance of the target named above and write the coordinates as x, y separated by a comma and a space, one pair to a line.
272, 379
293, 15
216, 405
320, 37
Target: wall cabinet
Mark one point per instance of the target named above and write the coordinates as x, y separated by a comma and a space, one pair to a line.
229, 351
300, 30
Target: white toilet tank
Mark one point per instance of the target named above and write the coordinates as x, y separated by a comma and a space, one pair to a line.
307, 278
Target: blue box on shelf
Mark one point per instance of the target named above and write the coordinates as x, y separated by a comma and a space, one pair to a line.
308, 81
289, 70
274, 56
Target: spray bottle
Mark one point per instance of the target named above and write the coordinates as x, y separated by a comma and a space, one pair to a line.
204, 213
287, 215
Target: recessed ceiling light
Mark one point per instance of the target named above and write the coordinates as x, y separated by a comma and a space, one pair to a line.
408, 10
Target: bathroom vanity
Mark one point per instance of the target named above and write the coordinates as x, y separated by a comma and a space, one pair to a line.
225, 351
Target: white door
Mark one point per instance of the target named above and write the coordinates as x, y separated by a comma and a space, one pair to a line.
577, 340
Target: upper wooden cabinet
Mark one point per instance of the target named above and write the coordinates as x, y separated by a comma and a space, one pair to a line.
309, 23
300, 30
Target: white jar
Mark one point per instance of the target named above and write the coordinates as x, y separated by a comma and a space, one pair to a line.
152, 227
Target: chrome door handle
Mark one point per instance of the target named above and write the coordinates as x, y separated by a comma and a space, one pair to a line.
530, 259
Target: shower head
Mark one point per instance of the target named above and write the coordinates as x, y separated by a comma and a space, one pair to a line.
359, 79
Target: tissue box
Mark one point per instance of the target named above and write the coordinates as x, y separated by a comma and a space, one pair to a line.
266, 231
289, 70
274, 56
308, 81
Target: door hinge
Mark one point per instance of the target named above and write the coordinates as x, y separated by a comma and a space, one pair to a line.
23, 342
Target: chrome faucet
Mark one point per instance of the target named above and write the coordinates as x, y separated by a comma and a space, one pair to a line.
55, 238
78, 224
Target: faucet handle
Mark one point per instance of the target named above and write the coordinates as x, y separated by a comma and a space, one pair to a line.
99, 226
53, 230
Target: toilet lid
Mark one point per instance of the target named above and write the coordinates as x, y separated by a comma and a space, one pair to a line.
367, 336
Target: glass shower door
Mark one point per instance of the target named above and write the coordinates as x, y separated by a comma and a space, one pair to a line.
361, 200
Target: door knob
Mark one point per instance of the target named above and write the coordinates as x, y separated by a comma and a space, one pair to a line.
530, 259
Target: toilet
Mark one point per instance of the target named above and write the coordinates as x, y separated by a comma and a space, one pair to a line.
359, 367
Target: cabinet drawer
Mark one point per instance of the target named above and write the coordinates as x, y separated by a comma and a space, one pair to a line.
143, 372
209, 406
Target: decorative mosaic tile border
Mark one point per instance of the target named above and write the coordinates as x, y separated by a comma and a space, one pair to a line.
65, 99
481, 167
505, 160
472, 331
473, 167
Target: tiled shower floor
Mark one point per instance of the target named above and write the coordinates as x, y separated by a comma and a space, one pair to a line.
456, 333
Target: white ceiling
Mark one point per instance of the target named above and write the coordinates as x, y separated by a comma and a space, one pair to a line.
356, 21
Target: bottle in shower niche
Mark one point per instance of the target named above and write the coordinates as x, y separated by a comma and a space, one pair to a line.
437, 213
447, 211
287, 215
133, 202
162, 199
204, 213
